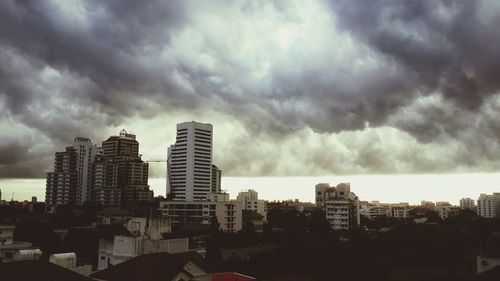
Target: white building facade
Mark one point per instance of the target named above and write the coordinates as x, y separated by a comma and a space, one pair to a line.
228, 212
86, 153
488, 206
122, 248
189, 166
340, 204
250, 201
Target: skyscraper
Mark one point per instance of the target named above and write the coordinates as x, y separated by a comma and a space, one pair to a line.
216, 179
62, 183
86, 154
190, 162
120, 176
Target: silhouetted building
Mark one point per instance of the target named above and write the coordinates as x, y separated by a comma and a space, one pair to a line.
120, 176
62, 183
216, 179
467, 203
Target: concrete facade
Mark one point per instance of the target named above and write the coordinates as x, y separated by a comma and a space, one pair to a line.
122, 248
62, 183
228, 212
14, 251
250, 201
340, 204
488, 206
189, 166
86, 153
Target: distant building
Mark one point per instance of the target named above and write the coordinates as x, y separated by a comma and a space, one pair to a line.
250, 201
190, 167
140, 236
228, 212
446, 211
301, 206
321, 193
71, 181
401, 212
62, 183
340, 204
216, 179
375, 209
488, 206
467, 203
120, 176
86, 153
14, 251
428, 204
442, 203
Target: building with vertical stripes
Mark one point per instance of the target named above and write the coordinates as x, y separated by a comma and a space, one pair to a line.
190, 162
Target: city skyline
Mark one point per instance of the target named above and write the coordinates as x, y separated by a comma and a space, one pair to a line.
295, 89
368, 188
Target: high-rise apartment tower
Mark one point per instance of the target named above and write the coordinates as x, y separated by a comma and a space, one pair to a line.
189, 166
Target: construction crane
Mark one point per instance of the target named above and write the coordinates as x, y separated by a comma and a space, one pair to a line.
171, 189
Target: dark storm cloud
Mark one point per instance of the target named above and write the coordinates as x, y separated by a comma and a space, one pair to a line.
451, 46
12, 153
78, 68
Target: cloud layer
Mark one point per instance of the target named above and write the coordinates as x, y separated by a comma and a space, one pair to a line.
292, 88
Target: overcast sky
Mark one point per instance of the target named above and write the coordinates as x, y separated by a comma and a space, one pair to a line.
296, 88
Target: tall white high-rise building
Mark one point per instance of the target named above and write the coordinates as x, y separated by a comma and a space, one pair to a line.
86, 154
189, 171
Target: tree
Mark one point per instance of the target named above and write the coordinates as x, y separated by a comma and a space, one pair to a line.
214, 241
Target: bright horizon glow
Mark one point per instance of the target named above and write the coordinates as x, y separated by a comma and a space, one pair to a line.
383, 188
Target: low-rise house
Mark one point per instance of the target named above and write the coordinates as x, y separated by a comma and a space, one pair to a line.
118, 243
158, 267
14, 251
38, 270
68, 261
